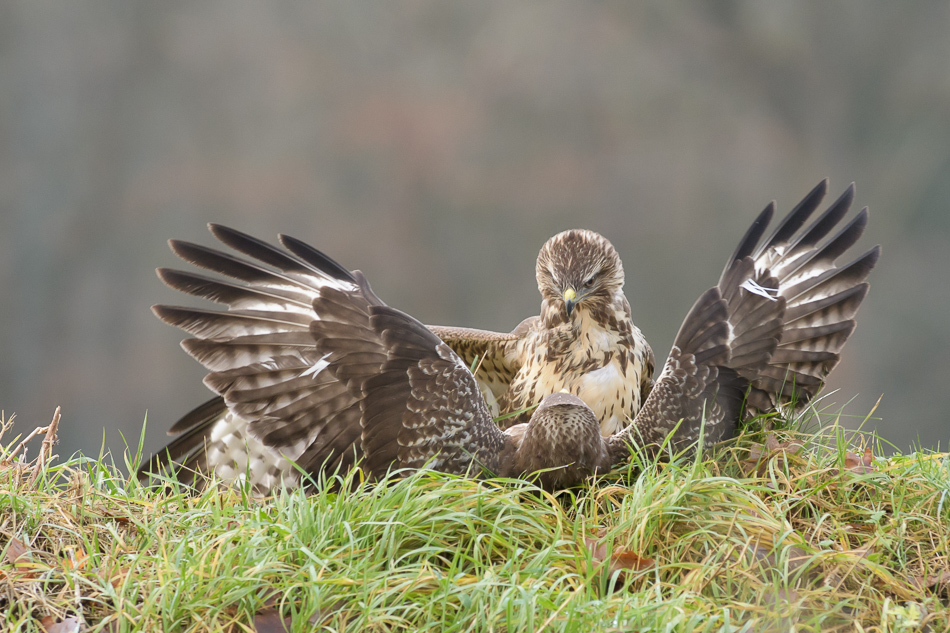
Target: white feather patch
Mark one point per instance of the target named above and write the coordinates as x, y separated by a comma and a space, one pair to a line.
318, 366
752, 286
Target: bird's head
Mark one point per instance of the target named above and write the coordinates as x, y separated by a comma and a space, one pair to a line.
578, 268
563, 441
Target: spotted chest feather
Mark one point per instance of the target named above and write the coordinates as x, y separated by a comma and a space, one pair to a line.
593, 357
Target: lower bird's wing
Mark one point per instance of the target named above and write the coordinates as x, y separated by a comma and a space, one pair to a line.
421, 404
309, 363
822, 297
261, 358
770, 330
186, 453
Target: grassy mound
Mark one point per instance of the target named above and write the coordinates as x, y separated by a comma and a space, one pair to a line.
777, 531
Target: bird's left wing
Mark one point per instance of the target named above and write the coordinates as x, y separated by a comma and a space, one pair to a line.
730, 333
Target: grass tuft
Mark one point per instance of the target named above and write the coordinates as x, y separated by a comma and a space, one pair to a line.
779, 530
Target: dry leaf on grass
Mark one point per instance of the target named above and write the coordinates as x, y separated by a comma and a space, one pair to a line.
17, 553
75, 558
766, 558
759, 455
114, 577
20, 555
858, 464
861, 464
69, 625
269, 620
619, 561
939, 582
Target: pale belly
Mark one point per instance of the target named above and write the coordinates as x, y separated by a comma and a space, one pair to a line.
613, 396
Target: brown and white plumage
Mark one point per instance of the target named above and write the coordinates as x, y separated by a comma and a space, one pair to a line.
761, 363
311, 366
583, 342
821, 297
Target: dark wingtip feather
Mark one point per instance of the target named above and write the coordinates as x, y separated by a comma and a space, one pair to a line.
751, 238
185, 453
180, 246
162, 312
796, 218
189, 283
256, 248
201, 416
316, 258
226, 234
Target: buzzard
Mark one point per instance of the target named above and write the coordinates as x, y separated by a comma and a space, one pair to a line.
583, 342
311, 367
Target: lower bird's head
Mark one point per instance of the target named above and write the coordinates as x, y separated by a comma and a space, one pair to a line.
578, 268
562, 441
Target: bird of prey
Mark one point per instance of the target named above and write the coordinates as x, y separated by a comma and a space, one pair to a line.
311, 367
584, 341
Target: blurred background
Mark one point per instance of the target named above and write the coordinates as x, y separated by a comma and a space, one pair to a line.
436, 146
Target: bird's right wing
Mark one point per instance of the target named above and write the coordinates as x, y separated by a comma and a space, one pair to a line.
422, 405
260, 355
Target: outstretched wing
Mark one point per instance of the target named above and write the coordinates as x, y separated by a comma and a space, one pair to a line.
187, 450
775, 325
494, 355
261, 358
309, 362
701, 387
821, 297
421, 404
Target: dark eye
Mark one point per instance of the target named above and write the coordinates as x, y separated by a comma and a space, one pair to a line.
589, 282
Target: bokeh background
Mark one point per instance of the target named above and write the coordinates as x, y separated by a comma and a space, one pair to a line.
436, 146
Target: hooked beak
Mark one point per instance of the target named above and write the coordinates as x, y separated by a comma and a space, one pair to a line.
570, 300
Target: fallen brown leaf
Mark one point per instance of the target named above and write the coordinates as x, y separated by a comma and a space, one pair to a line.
860, 527
939, 581
625, 559
620, 560
766, 558
18, 553
759, 455
860, 464
269, 620
75, 558
69, 625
